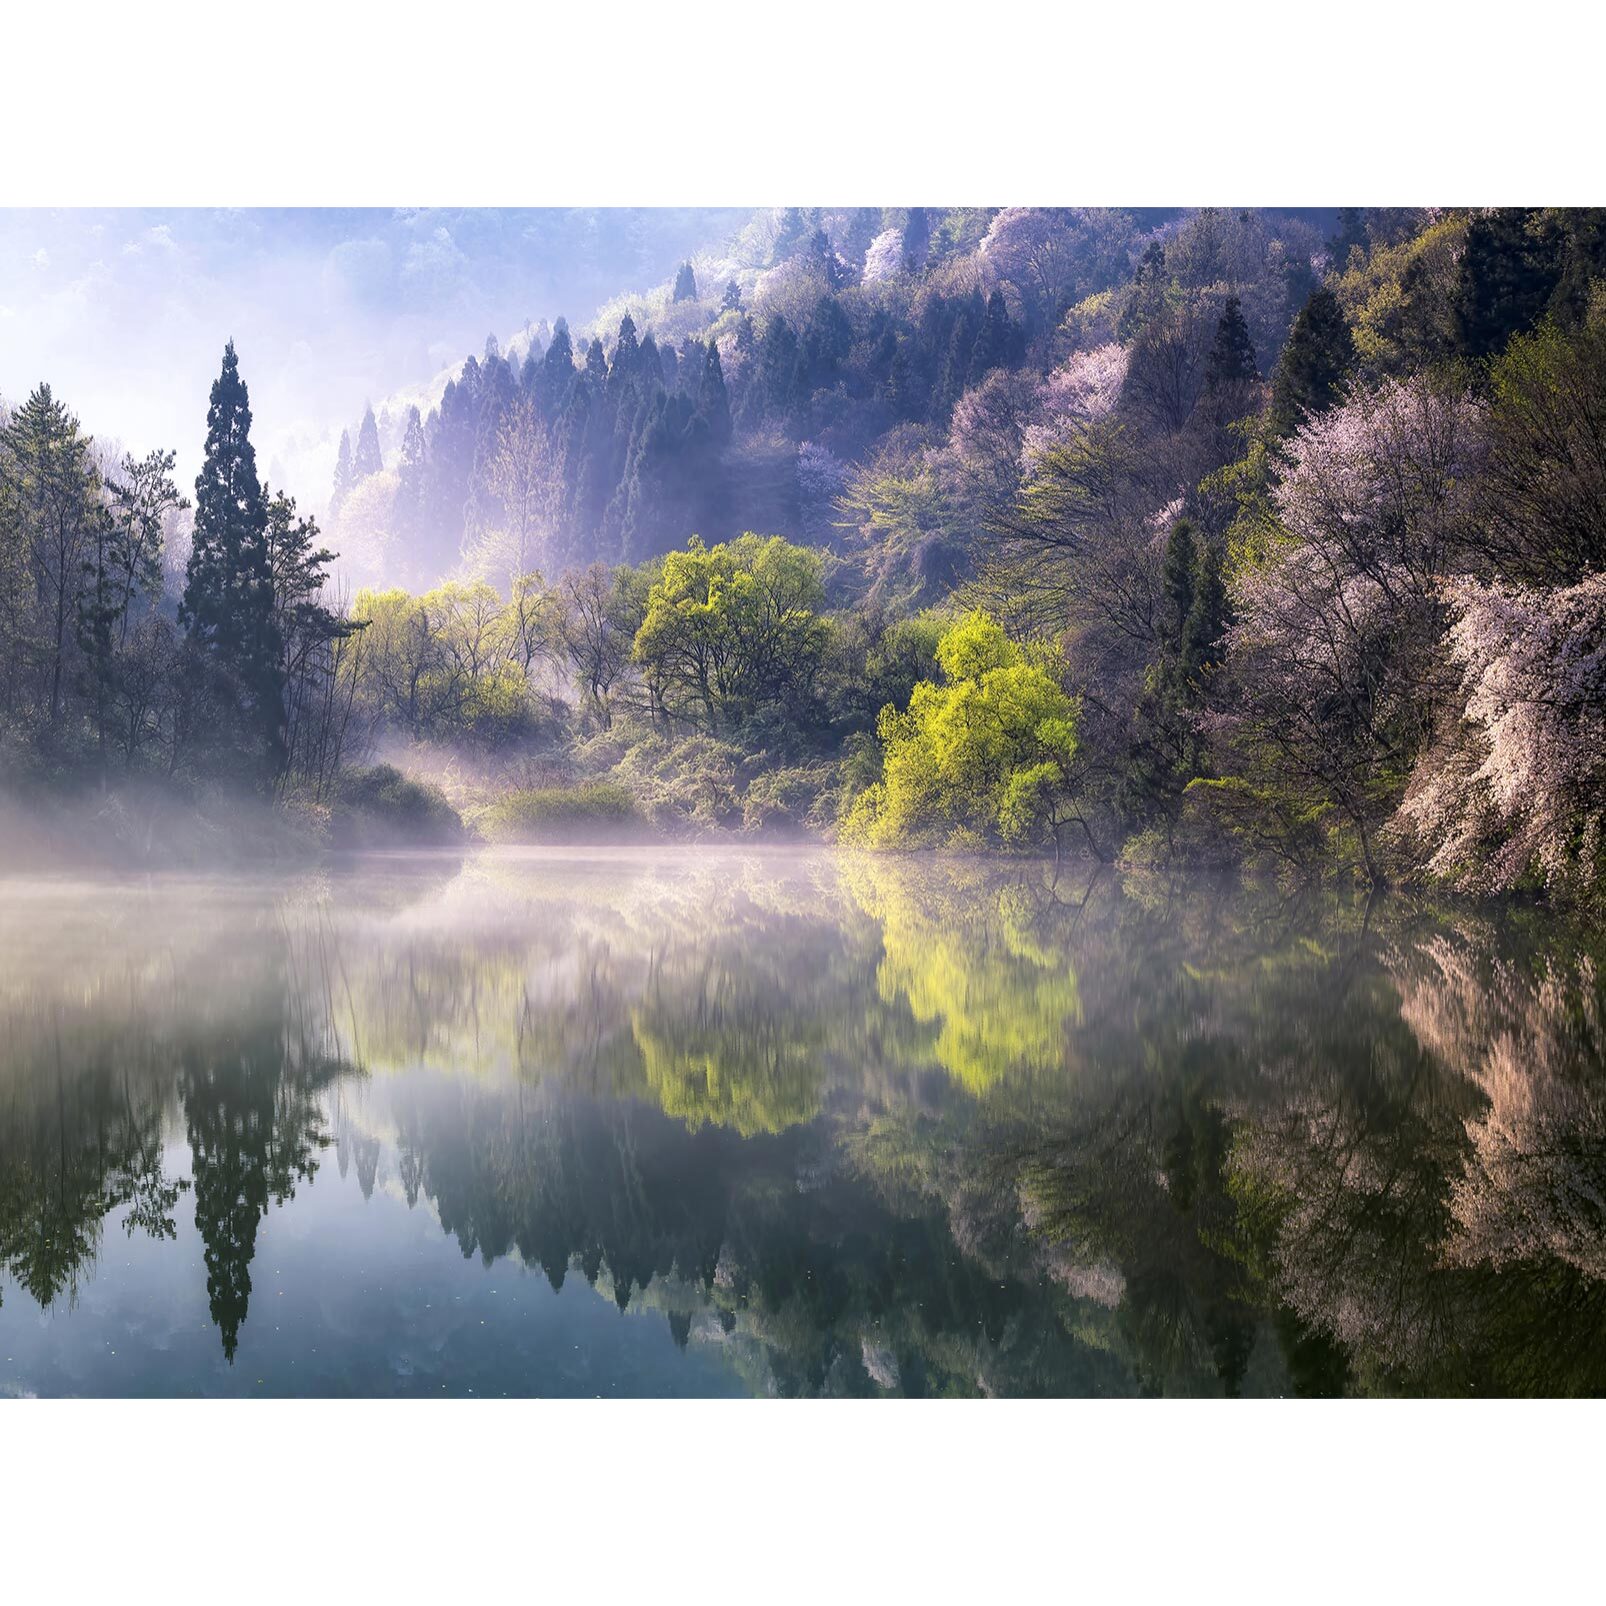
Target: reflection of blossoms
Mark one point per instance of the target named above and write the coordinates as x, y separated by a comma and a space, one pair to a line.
1534, 1183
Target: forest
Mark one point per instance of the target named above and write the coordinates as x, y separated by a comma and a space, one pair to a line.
1213, 537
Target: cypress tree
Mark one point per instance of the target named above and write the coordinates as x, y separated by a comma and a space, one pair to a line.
556, 380
1315, 363
916, 240
685, 283
1181, 556
343, 475
731, 301
1508, 272
712, 400
1232, 354
227, 607
366, 460
412, 486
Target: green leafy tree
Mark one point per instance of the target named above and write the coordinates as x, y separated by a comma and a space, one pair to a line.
985, 756
732, 632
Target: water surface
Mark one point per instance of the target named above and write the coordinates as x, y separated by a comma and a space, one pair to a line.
627, 1123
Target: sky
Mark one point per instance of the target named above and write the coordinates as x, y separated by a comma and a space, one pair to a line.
125, 312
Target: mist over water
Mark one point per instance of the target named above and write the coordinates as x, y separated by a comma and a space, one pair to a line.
643, 1121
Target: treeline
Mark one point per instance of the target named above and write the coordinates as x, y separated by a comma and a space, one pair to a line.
1199, 538
110, 667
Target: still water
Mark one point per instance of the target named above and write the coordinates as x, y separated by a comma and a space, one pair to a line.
637, 1123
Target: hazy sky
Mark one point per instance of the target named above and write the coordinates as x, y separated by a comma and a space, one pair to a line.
125, 312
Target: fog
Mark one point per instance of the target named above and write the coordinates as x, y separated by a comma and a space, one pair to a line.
124, 312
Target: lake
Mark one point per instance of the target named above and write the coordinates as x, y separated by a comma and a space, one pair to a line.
705, 1122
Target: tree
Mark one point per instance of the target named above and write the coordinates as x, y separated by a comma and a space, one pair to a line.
316, 671
1510, 267
916, 240
366, 459
525, 491
1543, 492
731, 300
1315, 363
685, 284
1518, 794
1334, 656
344, 477
731, 632
228, 603
712, 401
987, 755
55, 495
603, 610
1232, 354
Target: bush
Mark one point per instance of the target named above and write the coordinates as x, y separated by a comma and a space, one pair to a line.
597, 811
381, 807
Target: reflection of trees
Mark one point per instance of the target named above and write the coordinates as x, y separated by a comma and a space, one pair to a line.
978, 955
76, 1145
867, 1127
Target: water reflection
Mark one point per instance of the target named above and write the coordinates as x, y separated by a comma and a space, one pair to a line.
833, 1126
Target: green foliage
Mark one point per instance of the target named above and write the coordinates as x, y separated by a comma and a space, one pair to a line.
596, 811
731, 633
985, 756
228, 603
381, 807
1315, 364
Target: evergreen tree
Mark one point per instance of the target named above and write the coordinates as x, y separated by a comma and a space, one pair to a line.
412, 483
1315, 363
916, 240
1509, 270
1181, 557
344, 479
1349, 235
556, 381
685, 284
712, 401
55, 495
366, 460
731, 301
228, 604
1232, 354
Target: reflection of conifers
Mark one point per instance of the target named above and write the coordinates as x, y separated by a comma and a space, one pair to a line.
255, 1124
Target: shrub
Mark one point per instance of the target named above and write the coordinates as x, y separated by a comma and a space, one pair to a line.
596, 811
381, 807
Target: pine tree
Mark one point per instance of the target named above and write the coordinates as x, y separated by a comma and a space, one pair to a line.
1181, 557
366, 460
731, 301
916, 240
1509, 269
685, 283
712, 401
227, 608
55, 493
412, 480
1232, 354
1349, 235
556, 381
343, 475
1315, 364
